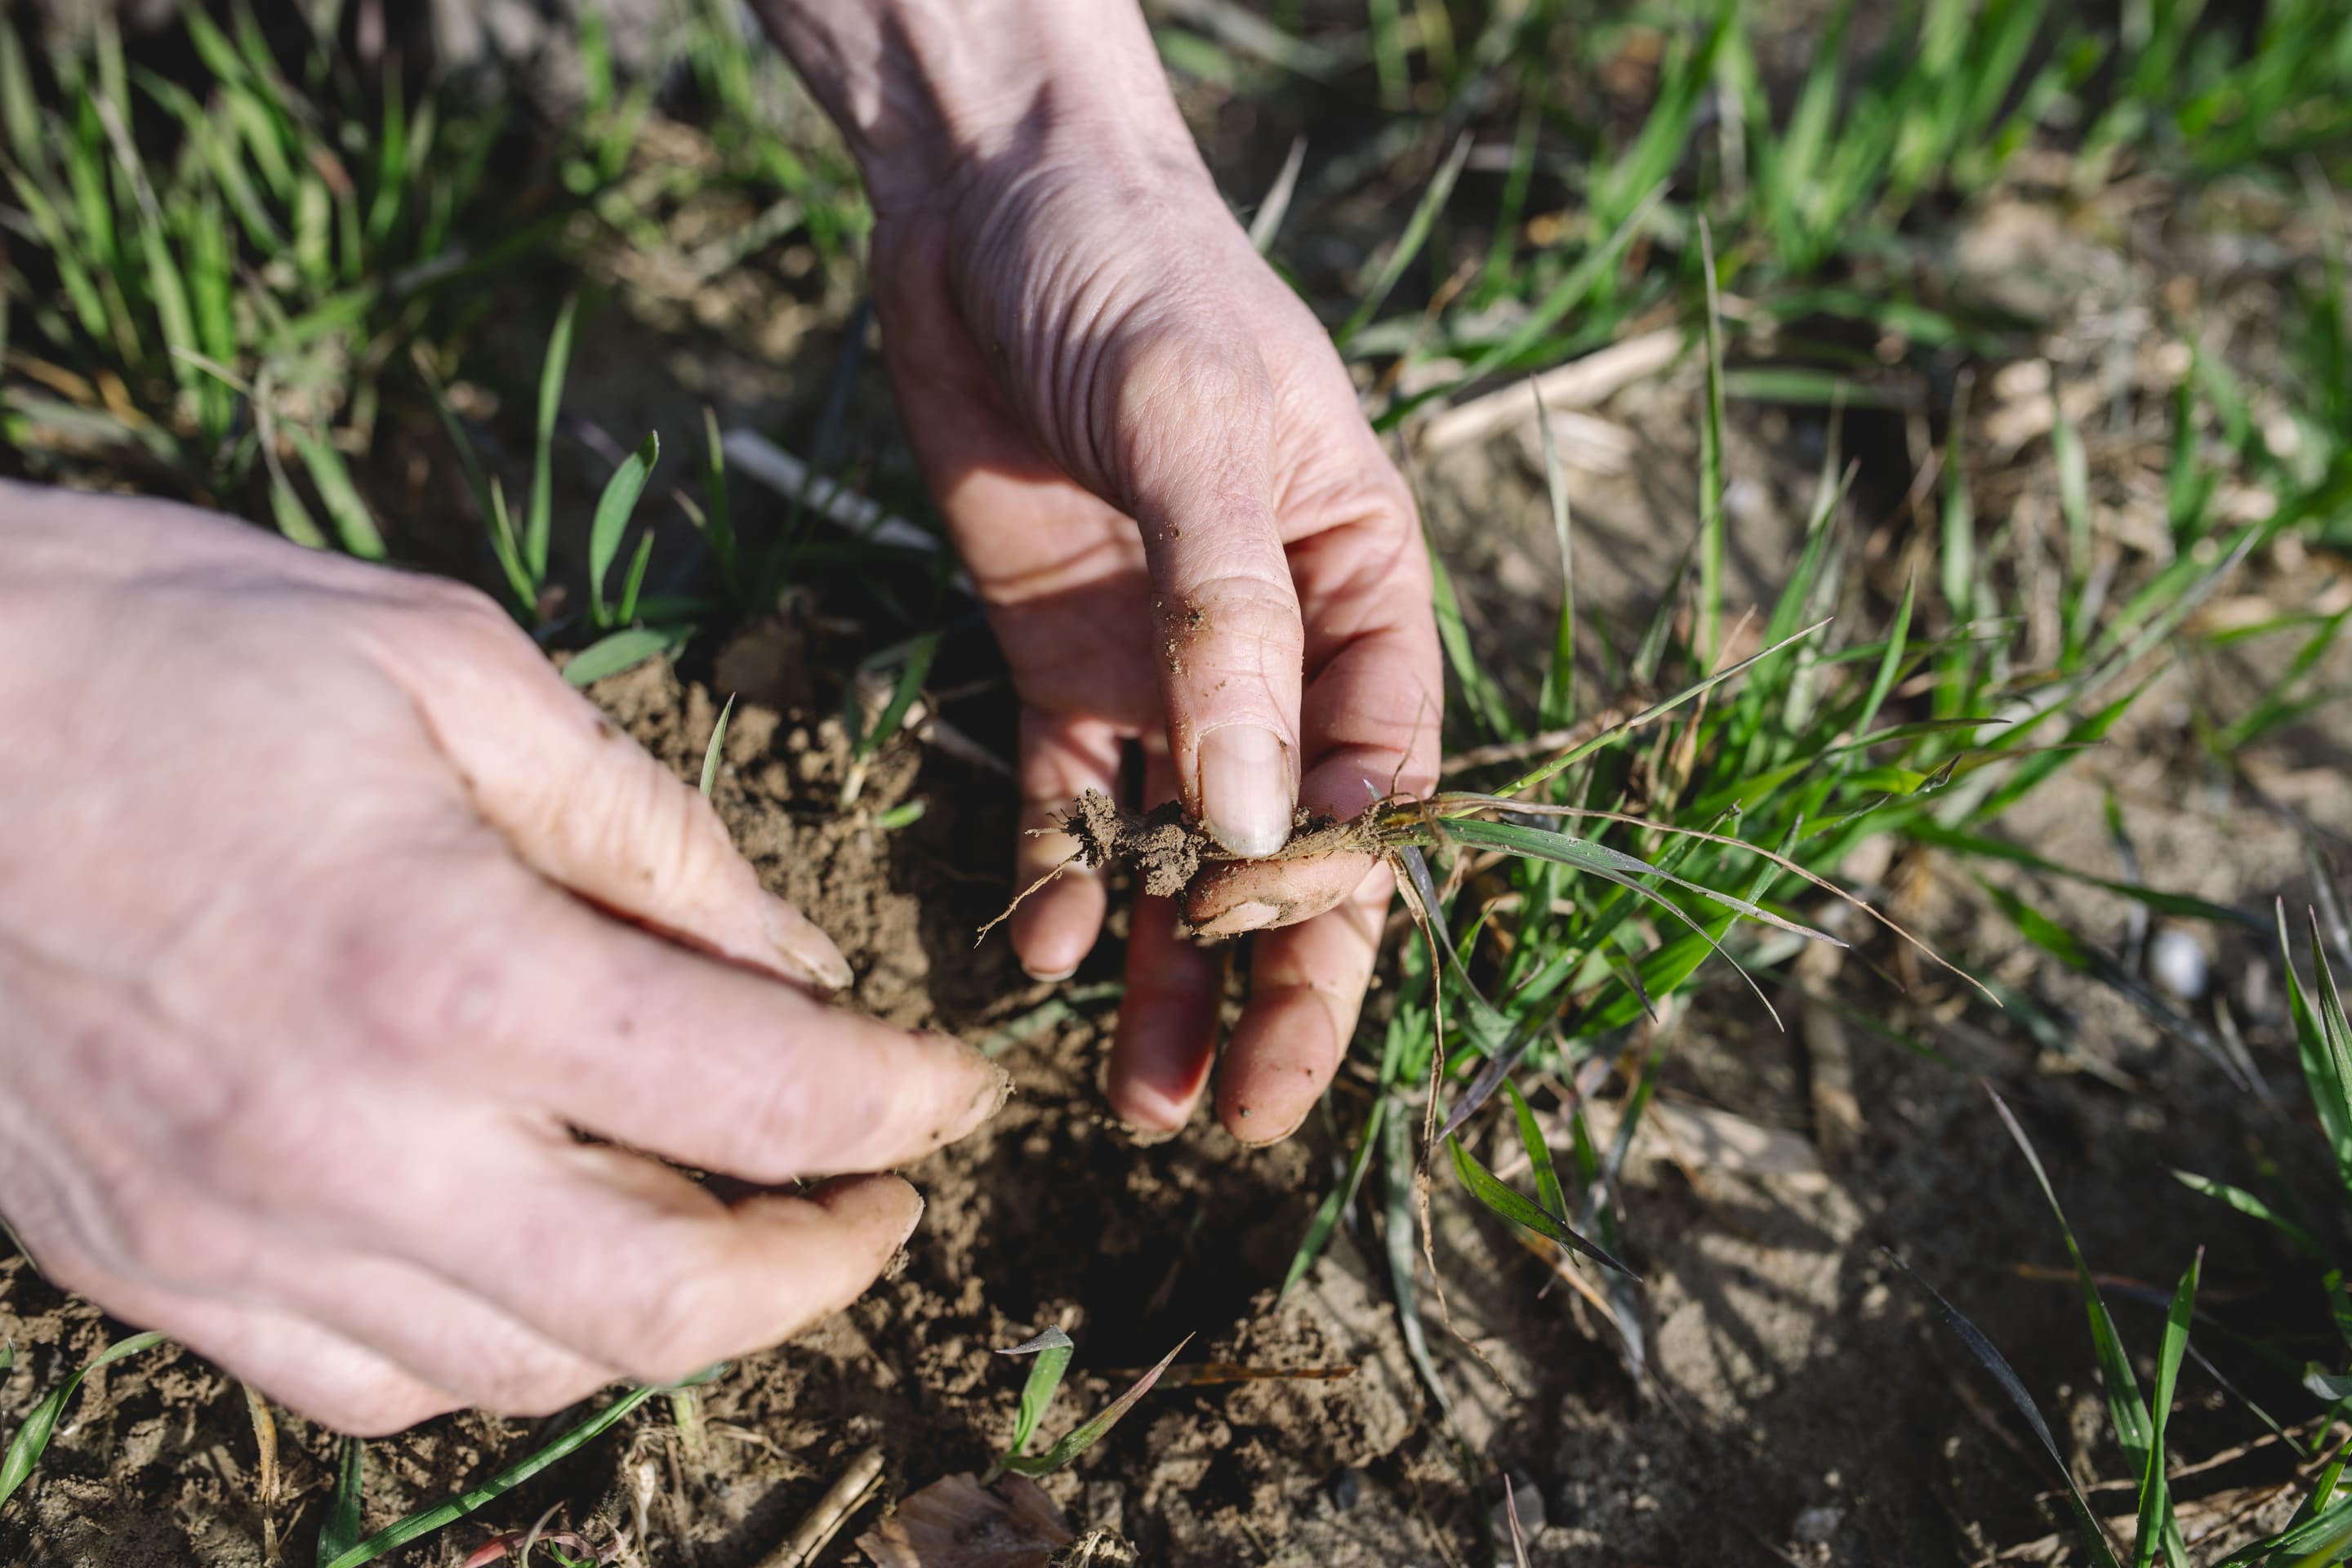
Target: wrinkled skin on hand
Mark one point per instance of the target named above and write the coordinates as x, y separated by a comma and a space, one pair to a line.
326, 914
1155, 471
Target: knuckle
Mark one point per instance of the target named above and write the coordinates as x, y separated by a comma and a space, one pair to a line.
169, 1238
465, 607
1187, 398
666, 836
772, 1133
417, 987
661, 1330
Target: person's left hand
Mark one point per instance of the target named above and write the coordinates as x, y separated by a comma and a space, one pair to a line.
1155, 469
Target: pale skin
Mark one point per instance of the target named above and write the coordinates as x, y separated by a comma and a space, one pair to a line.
327, 913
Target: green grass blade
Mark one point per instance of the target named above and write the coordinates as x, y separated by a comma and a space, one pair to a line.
2126, 1409
1088, 1435
508, 551
2323, 1490
1666, 134
1335, 1201
2179, 904
1596, 1211
1514, 1207
293, 518
2335, 1038
1398, 1233
713, 752
1409, 245
425, 1521
2037, 770
1052, 1349
622, 650
32, 1439
1650, 715
910, 684
18, 108
2095, 1538
1957, 563
539, 517
2155, 1496
2321, 1539
1890, 665
1566, 849
1549, 1193
468, 459
341, 1531
1470, 673
2247, 1204
1650, 653
1570, 291
634, 583
1387, 28
614, 510
2074, 506
718, 519
1556, 709
1496, 275
1711, 528
354, 525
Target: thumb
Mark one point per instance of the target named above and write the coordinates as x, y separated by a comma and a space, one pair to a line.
587, 808
1191, 460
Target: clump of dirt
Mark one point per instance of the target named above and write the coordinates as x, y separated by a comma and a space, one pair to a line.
1161, 843
1169, 849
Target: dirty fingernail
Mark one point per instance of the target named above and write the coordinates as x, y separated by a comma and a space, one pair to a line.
914, 1221
1250, 915
992, 1088
805, 949
1246, 789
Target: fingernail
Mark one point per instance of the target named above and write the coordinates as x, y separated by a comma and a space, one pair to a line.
1248, 916
805, 948
1050, 977
1246, 789
913, 1224
992, 1088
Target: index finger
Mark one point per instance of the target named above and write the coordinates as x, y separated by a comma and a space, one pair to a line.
635, 1038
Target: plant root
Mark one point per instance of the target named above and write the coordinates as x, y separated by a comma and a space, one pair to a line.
1171, 852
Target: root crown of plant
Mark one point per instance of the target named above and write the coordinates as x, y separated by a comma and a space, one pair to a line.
1160, 844
1169, 850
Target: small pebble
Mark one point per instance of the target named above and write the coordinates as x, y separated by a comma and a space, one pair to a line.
1816, 1525
2176, 963
1527, 1500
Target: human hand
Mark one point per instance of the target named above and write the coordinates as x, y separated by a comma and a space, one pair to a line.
1156, 471
329, 915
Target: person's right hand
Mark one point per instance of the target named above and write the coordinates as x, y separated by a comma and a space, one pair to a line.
330, 919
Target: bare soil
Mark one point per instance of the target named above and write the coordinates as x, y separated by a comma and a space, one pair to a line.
1802, 1407
1801, 1404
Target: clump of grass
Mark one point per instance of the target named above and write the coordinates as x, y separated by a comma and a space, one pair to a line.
40, 1424
1053, 1350
340, 1545
209, 316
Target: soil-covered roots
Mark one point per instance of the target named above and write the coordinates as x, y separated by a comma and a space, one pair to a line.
1172, 853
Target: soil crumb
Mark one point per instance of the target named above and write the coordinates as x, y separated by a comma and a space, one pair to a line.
1167, 850
1160, 844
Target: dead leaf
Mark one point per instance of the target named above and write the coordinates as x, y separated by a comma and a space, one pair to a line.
956, 1523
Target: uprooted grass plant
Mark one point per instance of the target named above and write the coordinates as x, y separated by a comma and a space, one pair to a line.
1584, 894
226, 320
